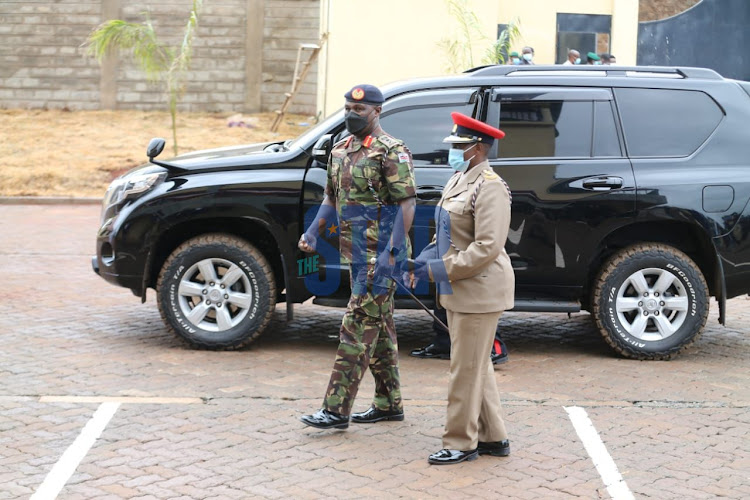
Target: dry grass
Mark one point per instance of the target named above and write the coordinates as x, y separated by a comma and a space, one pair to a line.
78, 153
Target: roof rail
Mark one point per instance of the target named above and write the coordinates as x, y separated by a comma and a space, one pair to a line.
599, 70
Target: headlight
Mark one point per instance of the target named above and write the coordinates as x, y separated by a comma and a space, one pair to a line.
131, 187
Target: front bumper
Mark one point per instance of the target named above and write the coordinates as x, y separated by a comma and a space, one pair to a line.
133, 282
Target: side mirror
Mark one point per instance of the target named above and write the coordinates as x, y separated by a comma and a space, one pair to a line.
322, 149
155, 147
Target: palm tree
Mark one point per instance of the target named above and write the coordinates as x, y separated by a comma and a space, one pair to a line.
497, 53
459, 51
159, 62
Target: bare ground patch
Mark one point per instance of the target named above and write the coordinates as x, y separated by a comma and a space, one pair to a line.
78, 153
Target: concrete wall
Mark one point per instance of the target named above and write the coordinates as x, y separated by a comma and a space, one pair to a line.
244, 54
374, 45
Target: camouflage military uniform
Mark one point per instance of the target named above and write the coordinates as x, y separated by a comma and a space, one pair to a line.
367, 179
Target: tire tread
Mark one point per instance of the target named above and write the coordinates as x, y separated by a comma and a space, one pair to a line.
665, 251
228, 240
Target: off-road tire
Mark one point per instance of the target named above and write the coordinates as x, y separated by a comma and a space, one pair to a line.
255, 285
620, 277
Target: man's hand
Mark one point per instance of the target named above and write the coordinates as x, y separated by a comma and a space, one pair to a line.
418, 270
307, 243
384, 265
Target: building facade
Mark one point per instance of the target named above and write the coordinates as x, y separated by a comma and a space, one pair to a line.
394, 40
245, 50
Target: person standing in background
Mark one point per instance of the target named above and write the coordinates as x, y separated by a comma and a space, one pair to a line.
574, 57
527, 55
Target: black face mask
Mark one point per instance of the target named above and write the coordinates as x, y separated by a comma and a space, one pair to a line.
355, 123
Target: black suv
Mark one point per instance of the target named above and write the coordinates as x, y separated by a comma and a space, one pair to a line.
630, 200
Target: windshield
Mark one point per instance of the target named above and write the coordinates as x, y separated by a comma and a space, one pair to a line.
308, 138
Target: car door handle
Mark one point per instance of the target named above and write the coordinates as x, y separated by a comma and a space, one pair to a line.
429, 192
602, 183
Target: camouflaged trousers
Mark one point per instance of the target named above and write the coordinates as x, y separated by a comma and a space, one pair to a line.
367, 338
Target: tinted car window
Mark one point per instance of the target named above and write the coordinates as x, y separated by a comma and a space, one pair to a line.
606, 142
535, 129
662, 122
423, 129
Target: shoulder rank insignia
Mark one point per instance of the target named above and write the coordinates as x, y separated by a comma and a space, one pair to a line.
489, 174
388, 140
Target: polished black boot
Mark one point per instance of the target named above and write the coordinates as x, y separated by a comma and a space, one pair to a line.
324, 419
447, 457
374, 415
496, 448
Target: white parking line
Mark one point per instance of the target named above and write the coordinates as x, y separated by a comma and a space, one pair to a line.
121, 399
603, 462
66, 466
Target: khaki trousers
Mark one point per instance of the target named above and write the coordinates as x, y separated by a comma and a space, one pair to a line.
473, 401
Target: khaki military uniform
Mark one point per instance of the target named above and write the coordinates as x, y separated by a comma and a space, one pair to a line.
475, 284
367, 179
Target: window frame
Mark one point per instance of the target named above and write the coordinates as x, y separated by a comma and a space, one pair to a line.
699, 147
433, 99
531, 94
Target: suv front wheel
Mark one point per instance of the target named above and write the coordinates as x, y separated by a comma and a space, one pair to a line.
650, 301
216, 291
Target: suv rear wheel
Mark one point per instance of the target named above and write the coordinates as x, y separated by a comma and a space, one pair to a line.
216, 291
650, 301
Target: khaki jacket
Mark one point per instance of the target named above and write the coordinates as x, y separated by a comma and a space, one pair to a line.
479, 274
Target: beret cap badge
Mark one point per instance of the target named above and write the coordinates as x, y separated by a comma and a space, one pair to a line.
358, 94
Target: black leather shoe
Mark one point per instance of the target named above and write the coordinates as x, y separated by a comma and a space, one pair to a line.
374, 415
324, 419
496, 449
447, 457
431, 352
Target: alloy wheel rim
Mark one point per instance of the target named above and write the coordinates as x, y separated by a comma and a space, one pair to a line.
652, 304
215, 295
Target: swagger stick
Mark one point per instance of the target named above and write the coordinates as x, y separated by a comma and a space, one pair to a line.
414, 297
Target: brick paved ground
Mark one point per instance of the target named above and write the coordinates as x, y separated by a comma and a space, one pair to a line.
675, 429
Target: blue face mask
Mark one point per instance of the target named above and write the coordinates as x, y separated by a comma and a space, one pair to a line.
456, 159
578, 60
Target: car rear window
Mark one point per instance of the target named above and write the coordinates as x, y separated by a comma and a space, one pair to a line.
666, 122
546, 129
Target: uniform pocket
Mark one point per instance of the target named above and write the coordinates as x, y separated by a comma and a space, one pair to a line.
455, 206
366, 174
367, 169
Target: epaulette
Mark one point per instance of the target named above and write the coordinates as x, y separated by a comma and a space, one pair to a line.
489, 174
389, 141
342, 142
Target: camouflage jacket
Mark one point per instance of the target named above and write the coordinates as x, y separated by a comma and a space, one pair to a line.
367, 179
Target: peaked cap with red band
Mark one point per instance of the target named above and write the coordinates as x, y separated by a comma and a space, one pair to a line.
467, 129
